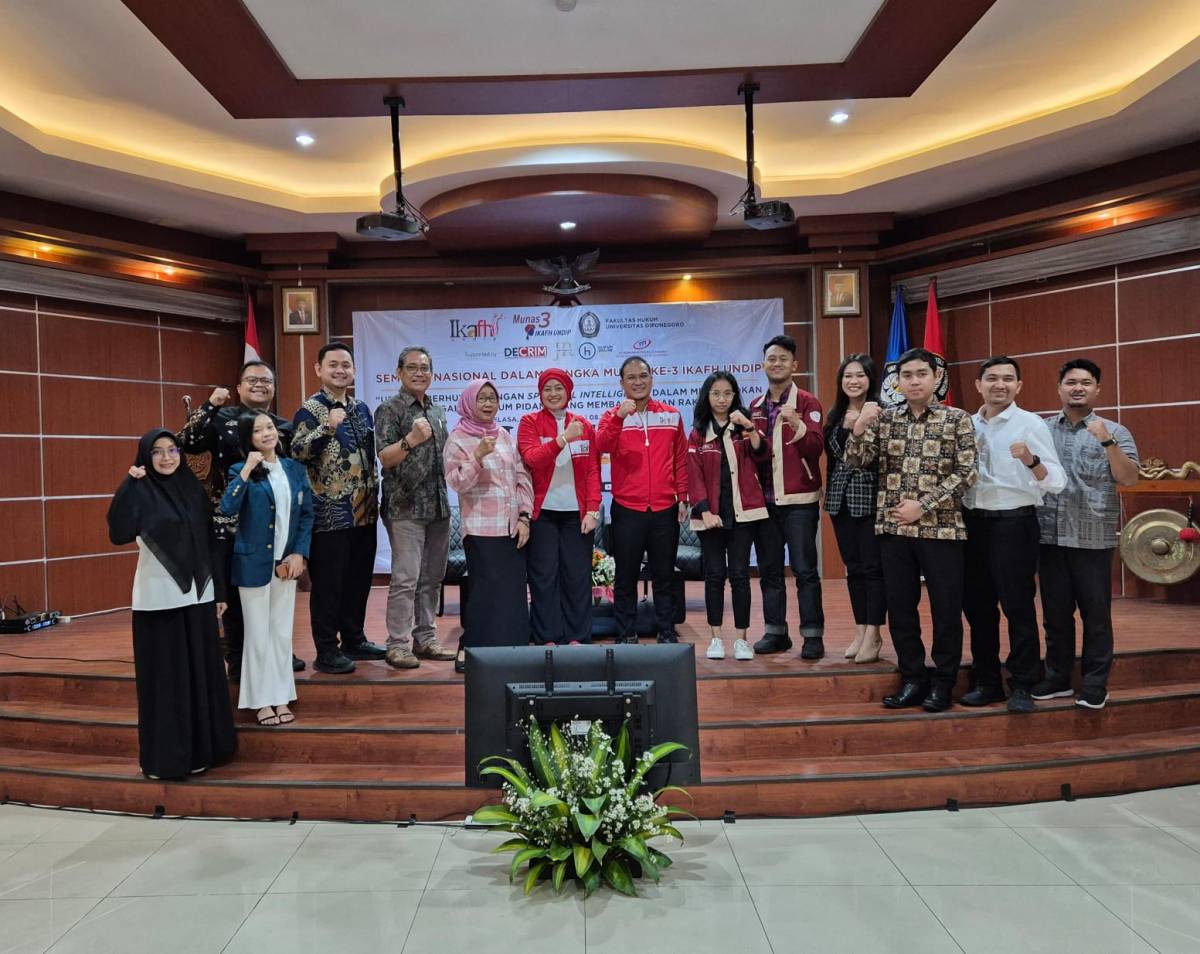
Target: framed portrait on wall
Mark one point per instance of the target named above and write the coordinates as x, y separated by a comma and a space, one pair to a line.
839, 292
299, 310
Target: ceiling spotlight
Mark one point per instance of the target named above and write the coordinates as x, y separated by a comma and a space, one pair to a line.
687, 277
566, 226
565, 6
305, 140
839, 117
45, 248
170, 270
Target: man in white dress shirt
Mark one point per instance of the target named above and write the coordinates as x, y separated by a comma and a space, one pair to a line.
1017, 466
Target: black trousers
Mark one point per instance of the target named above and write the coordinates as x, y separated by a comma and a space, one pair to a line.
497, 611
560, 578
905, 559
654, 533
793, 526
1001, 566
859, 548
232, 625
340, 564
726, 554
1073, 578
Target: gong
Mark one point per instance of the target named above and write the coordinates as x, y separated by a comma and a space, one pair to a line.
1151, 548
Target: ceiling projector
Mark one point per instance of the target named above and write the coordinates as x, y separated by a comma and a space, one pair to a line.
391, 226
768, 215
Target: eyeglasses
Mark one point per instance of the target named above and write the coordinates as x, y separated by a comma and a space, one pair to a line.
487, 399
165, 452
417, 368
254, 382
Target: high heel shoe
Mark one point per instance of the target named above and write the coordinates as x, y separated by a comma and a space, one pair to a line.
872, 644
460, 658
854, 647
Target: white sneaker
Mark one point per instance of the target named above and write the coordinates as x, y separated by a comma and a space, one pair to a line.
716, 649
742, 650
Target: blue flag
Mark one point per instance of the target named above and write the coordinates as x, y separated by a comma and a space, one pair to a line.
889, 391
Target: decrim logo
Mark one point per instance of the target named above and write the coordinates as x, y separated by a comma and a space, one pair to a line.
526, 351
641, 345
480, 329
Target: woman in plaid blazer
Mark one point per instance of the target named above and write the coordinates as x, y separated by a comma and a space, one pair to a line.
850, 501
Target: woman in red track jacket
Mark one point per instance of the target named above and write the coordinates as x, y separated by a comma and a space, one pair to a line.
724, 451
559, 451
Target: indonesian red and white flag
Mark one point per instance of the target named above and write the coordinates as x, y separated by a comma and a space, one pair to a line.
251, 352
934, 342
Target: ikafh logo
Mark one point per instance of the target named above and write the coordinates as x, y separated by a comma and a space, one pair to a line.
480, 329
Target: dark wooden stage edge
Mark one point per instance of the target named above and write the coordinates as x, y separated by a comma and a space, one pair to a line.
779, 738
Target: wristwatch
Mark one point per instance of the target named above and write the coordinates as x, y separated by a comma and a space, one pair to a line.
1109, 442
404, 445
1033, 464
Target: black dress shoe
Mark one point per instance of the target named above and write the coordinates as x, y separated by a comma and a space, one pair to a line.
773, 643
298, 664
336, 665
1020, 701
938, 699
910, 694
671, 637
626, 639
813, 648
982, 696
364, 650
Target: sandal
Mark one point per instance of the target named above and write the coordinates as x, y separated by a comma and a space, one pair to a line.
267, 716
286, 716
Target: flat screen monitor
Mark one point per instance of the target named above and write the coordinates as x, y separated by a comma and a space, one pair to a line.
652, 687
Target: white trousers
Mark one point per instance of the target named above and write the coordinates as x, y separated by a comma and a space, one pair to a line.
268, 612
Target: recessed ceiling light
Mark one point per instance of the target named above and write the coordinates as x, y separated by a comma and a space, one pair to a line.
566, 226
45, 248
839, 117
170, 270
304, 139
687, 277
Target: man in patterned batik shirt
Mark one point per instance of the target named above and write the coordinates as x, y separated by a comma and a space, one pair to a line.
926, 459
335, 439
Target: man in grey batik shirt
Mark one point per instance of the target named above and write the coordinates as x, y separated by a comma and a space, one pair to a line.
1079, 534
410, 430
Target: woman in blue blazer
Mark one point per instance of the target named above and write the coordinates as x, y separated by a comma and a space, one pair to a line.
271, 497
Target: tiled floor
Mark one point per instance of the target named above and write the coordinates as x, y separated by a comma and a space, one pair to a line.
1103, 876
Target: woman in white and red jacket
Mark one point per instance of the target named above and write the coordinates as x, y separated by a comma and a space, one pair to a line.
648, 453
724, 451
559, 451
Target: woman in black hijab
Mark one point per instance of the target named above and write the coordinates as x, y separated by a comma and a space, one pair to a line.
185, 722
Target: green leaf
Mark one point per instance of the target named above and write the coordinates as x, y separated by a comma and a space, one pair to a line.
522, 856
596, 805
531, 879
542, 763
559, 851
673, 788
649, 760
560, 750
650, 870
587, 825
616, 873
522, 787
513, 844
517, 768
636, 849
672, 810
599, 849
597, 753
591, 881
546, 800
669, 830
560, 874
494, 815
624, 748
661, 860
583, 860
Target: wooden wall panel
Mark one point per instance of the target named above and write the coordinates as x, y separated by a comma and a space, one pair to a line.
21, 472
99, 348
122, 408
22, 531
18, 404
1160, 305
78, 526
1067, 319
20, 340
87, 466
27, 582
1160, 372
1170, 433
1039, 376
88, 585
193, 357
966, 331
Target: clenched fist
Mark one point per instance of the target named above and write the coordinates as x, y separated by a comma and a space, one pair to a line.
1096, 428
486, 446
136, 472
219, 397
421, 431
1020, 451
740, 420
573, 431
336, 416
253, 459
849, 418
625, 408
867, 416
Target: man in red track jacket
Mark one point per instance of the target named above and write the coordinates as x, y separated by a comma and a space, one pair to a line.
789, 418
647, 446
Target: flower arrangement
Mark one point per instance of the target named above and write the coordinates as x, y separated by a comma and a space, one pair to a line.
604, 572
583, 814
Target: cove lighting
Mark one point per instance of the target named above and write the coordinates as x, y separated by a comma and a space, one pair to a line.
44, 248
566, 226
304, 139
839, 117
170, 270
687, 277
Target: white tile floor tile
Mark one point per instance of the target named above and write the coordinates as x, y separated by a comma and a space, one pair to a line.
71, 870
210, 866
355, 863
968, 856
30, 927
1048, 919
1168, 807
86, 827
938, 819
359, 921
1118, 855
493, 920
179, 925
767, 856
1168, 916
849, 919
20, 825
1083, 813
676, 918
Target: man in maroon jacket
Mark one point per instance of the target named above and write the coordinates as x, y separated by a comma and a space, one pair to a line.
789, 418
647, 447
